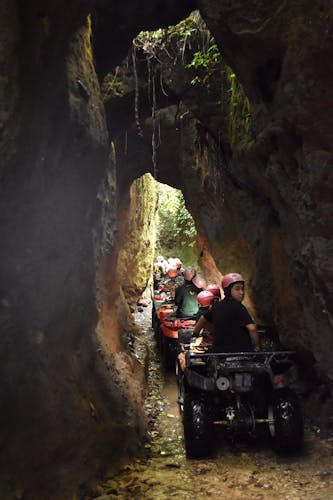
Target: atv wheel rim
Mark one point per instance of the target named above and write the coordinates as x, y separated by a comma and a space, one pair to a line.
271, 424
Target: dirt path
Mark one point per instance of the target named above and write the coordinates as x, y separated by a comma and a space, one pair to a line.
243, 470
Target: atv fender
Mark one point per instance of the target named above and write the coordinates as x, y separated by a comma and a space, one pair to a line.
197, 381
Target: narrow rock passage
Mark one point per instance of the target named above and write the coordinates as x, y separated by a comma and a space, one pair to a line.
241, 470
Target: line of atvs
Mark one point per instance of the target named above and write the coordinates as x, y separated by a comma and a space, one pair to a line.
243, 393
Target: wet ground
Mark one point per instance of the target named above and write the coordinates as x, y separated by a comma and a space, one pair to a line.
242, 470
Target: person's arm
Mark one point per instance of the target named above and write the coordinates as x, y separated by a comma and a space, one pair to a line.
252, 329
201, 323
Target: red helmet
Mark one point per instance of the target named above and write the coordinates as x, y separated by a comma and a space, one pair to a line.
231, 278
205, 298
189, 273
199, 281
215, 289
172, 272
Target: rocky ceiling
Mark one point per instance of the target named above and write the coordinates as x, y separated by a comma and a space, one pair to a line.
263, 207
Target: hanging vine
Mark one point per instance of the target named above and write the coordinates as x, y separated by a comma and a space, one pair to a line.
153, 117
191, 44
147, 43
153, 45
136, 94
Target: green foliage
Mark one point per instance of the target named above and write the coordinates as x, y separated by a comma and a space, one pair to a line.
188, 31
185, 229
174, 41
113, 84
176, 233
150, 42
191, 43
206, 60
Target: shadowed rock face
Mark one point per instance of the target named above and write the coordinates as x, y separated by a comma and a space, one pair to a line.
282, 63
263, 207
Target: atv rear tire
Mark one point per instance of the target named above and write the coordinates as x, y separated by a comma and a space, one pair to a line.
168, 357
198, 427
181, 387
287, 429
153, 317
156, 325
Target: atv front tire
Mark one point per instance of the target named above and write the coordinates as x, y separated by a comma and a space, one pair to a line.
287, 426
198, 427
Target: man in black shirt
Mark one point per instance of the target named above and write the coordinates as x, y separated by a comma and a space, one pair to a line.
234, 329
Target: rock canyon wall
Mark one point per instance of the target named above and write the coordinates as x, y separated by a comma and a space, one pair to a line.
262, 202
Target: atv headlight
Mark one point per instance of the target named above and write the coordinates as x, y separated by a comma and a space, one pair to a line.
222, 383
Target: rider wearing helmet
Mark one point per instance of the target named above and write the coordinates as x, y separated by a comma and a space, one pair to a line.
159, 270
234, 329
199, 281
189, 273
177, 263
205, 300
172, 282
215, 290
186, 295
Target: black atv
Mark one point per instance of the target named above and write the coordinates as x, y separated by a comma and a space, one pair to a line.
243, 392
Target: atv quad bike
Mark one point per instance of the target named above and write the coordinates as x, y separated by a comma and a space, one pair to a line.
243, 392
170, 328
163, 306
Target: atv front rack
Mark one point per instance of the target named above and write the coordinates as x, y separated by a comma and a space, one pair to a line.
241, 360
204, 369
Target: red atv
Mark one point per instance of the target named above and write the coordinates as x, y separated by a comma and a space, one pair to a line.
170, 328
163, 306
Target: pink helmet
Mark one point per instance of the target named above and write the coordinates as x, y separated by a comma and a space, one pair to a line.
215, 290
189, 273
231, 278
199, 281
205, 298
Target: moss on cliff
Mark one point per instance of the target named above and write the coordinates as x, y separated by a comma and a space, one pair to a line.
239, 119
137, 253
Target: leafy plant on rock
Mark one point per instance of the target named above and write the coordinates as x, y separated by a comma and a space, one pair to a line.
205, 60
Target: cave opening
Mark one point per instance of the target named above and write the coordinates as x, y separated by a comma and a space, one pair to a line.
176, 234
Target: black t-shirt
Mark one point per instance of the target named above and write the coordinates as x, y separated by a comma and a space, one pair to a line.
201, 312
229, 319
